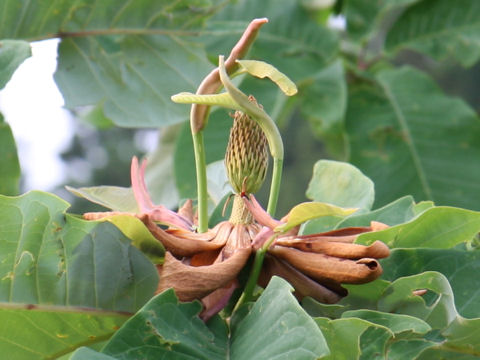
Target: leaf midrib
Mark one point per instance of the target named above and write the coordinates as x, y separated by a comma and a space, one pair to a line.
410, 143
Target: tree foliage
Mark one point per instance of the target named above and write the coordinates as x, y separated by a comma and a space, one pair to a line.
81, 289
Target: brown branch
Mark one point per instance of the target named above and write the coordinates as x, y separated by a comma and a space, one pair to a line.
211, 83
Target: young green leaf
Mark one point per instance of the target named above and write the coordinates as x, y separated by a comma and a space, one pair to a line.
311, 210
261, 69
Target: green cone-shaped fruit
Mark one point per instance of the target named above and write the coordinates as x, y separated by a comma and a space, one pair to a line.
246, 159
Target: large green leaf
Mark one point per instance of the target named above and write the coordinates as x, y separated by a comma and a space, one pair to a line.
441, 29
438, 227
48, 257
47, 332
340, 184
410, 138
129, 56
275, 327
457, 265
12, 54
10, 174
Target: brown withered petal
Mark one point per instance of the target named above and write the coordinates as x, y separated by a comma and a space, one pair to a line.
376, 250
304, 286
326, 268
186, 243
240, 238
195, 282
217, 300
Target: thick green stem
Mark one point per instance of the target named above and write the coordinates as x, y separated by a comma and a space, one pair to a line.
275, 186
201, 168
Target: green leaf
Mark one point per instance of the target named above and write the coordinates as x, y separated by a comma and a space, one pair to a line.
340, 184
410, 138
275, 327
134, 229
438, 227
85, 353
397, 323
48, 257
311, 210
115, 198
47, 332
445, 31
397, 212
12, 54
10, 174
457, 265
344, 337
261, 69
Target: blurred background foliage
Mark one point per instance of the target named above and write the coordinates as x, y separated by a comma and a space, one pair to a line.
413, 130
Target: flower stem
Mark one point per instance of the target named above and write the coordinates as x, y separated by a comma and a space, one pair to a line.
275, 186
201, 169
247, 294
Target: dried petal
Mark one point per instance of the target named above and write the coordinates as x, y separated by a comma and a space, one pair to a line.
195, 282
304, 286
217, 300
186, 243
376, 250
328, 268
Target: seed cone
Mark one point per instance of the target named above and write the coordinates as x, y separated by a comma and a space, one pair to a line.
246, 159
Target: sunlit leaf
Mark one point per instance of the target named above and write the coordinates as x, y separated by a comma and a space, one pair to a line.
438, 227
340, 184
115, 198
262, 69
311, 210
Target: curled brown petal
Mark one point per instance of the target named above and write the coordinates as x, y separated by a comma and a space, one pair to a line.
259, 213
328, 268
239, 239
196, 282
186, 243
304, 286
376, 250
217, 300
345, 235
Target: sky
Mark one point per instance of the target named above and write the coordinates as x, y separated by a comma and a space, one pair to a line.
33, 107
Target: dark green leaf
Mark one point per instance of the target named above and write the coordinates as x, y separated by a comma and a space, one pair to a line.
440, 29
47, 332
48, 257
410, 138
275, 327
10, 173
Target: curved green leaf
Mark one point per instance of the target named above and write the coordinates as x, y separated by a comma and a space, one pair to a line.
340, 184
47, 332
115, 198
438, 227
261, 69
311, 210
10, 174
457, 265
222, 99
410, 138
12, 54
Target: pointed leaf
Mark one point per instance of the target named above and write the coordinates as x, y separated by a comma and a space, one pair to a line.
341, 184
311, 210
262, 69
